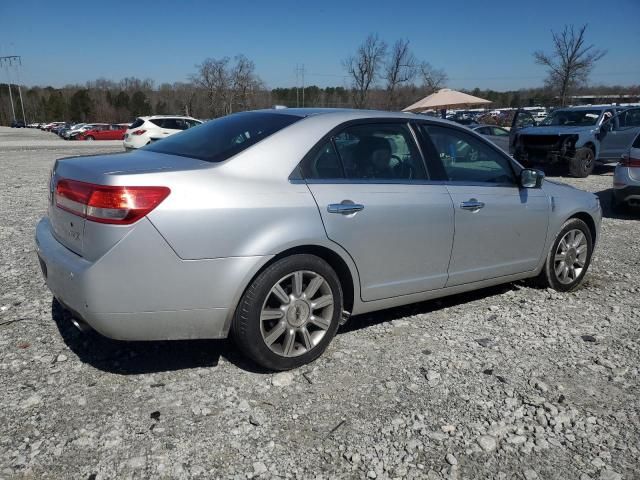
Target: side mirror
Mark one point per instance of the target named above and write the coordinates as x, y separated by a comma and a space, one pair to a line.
531, 178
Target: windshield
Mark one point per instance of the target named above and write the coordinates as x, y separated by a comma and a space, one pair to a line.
225, 137
572, 118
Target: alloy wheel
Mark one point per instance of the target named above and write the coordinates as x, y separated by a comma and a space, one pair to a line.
296, 313
570, 256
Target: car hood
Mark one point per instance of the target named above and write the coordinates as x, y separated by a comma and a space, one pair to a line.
555, 130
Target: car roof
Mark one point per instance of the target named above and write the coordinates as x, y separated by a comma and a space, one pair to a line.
346, 114
166, 116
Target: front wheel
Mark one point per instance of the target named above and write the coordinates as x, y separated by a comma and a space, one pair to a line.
90, 138
582, 163
290, 312
569, 257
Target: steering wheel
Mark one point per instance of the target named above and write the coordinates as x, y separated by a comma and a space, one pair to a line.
405, 171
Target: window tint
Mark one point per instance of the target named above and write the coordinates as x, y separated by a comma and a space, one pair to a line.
324, 164
158, 122
137, 123
468, 159
379, 151
224, 137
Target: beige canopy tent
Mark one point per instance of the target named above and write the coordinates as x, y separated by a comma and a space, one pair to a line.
445, 98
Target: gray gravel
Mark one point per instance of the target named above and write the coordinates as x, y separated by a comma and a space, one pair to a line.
509, 382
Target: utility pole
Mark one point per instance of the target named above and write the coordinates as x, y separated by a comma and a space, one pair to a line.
302, 71
7, 62
297, 95
10, 61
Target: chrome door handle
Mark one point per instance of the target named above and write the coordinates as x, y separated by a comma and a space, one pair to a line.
344, 208
472, 204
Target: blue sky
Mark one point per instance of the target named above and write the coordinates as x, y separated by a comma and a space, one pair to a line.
477, 45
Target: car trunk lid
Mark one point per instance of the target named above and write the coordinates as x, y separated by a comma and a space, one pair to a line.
68, 212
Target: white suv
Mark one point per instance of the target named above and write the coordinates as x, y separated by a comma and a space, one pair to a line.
146, 130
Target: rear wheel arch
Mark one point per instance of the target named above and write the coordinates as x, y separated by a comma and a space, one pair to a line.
336, 262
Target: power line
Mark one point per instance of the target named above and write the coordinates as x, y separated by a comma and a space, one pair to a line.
14, 61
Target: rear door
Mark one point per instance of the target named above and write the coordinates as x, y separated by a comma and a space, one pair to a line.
500, 229
377, 202
617, 134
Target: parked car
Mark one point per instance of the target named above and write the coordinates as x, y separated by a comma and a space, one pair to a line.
103, 132
17, 124
626, 178
498, 135
73, 129
577, 136
275, 226
145, 130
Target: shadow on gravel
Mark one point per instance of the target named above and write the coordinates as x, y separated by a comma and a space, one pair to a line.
135, 358
363, 321
561, 170
621, 213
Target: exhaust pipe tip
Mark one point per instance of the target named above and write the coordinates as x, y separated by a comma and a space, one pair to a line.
81, 325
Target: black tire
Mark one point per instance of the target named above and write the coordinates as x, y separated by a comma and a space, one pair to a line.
548, 276
582, 163
246, 328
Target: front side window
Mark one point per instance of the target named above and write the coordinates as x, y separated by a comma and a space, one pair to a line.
499, 132
468, 159
379, 152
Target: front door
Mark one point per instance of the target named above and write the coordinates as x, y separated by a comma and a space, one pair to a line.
618, 133
376, 201
500, 229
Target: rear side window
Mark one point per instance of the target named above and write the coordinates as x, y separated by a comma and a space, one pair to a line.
220, 139
137, 123
636, 143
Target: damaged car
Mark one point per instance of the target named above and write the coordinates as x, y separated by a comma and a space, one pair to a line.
577, 137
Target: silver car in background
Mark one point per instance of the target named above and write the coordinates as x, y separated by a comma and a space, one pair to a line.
498, 135
275, 226
626, 178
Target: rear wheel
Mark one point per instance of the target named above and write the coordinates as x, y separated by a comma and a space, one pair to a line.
90, 138
582, 163
289, 313
569, 257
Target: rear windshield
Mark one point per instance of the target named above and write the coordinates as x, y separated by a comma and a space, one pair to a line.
220, 139
137, 123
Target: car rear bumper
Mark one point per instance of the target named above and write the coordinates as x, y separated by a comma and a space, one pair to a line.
626, 184
141, 290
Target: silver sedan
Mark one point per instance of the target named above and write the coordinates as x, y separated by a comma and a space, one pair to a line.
276, 226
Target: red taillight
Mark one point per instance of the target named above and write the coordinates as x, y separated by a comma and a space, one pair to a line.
138, 132
108, 204
629, 161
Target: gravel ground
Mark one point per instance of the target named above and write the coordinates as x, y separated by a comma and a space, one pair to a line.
508, 382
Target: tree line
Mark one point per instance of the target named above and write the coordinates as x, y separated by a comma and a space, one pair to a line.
380, 75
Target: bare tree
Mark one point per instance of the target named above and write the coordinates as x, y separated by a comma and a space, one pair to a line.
213, 78
364, 67
228, 86
401, 68
244, 83
433, 79
571, 61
